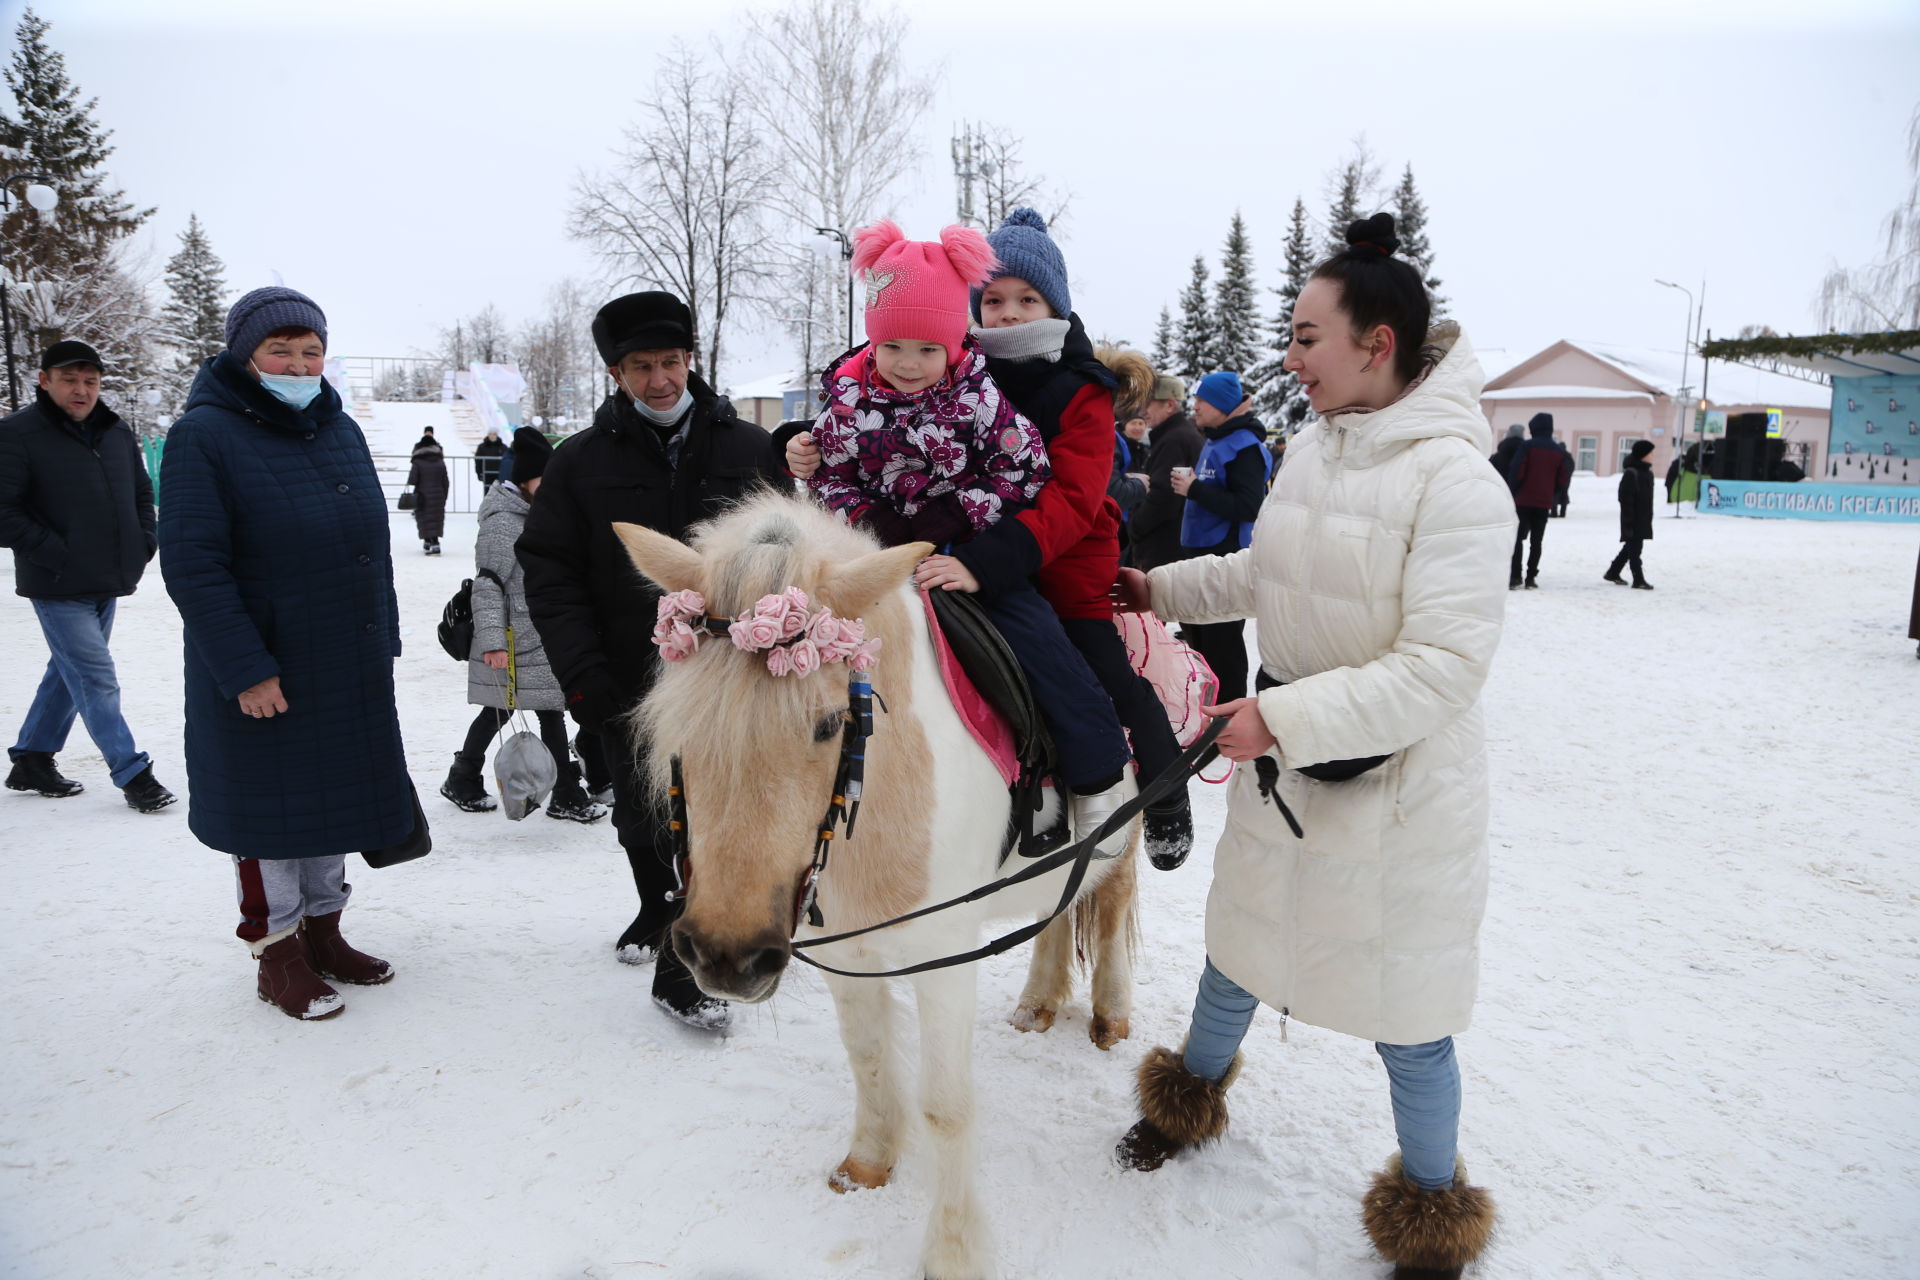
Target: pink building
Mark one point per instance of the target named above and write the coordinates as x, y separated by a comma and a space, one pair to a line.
1603, 398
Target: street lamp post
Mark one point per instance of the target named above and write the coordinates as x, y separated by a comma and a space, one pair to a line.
43, 198
846, 255
1684, 397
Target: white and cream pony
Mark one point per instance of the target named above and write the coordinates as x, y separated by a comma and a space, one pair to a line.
758, 754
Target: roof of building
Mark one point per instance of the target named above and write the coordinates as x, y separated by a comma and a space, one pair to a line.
1657, 371
770, 386
1527, 392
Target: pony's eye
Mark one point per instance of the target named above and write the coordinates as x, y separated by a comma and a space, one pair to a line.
829, 726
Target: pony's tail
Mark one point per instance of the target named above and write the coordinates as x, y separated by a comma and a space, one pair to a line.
1135, 375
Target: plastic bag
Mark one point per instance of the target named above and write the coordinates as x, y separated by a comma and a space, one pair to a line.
524, 771
1180, 677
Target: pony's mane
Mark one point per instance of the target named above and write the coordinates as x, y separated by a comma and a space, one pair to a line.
708, 707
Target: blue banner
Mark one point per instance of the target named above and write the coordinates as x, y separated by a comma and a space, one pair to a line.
1875, 433
1897, 504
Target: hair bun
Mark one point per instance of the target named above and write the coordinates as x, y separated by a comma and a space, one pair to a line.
1375, 233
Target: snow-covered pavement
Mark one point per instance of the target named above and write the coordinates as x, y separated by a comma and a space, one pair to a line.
1693, 1054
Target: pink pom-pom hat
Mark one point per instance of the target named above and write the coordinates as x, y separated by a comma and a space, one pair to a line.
917, 289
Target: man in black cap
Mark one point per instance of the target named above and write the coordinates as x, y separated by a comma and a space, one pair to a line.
76, 506
665, 452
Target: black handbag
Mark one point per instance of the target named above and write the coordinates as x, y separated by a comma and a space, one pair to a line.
406, 500
1326, 770
418, 843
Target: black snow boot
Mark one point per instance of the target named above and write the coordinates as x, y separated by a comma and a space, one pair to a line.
1641, 584
681, 998
1533, 583
35, 771
1168, 834
464, 787
145, 794
570, 802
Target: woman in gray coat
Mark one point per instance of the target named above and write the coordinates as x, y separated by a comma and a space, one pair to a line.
500, 603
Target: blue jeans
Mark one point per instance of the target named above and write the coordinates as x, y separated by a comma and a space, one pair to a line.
1423, 1079
80, 681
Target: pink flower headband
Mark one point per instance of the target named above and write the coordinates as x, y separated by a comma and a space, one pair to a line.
797, 639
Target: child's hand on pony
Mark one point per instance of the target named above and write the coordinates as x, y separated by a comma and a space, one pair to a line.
803, 455
945, 573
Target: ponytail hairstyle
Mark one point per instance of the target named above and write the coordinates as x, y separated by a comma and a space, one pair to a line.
1377, 288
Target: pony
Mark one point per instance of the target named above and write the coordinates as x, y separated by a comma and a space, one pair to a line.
757, 757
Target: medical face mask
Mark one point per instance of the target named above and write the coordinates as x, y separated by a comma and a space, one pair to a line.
297, 392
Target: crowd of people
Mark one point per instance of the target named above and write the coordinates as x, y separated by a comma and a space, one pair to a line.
977, 418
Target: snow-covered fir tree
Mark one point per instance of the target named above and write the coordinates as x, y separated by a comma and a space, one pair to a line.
1281, 401
1410, 221
1236, 315
1163, 342
193, 321
1193, 342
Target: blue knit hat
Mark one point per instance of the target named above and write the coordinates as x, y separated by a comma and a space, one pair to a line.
1221, 390
1026, 250
258, 314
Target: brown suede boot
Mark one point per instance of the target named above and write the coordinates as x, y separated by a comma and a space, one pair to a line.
331, 957
289, 983
1426, 1235
1178, 1110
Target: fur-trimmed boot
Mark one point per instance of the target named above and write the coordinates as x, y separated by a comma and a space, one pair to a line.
1426, 1235
1178, 1109
331, 957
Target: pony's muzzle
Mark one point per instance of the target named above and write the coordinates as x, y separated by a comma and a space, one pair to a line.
746, 972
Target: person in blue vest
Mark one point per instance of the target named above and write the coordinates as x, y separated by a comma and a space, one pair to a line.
274, 546
1224, 491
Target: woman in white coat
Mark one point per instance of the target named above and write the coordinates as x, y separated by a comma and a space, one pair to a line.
1378, 575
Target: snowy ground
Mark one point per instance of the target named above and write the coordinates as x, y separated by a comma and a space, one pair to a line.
1693, 1054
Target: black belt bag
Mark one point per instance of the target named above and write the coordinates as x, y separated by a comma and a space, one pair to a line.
1326, 770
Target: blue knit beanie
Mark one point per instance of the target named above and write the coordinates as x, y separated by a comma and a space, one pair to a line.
1221, 390
275, 307
1026, 250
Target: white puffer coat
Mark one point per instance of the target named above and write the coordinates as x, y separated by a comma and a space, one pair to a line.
1378, 575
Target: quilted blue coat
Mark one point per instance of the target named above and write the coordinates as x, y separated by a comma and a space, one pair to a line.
273, 543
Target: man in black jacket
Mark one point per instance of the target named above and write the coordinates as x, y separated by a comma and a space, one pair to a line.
1636, 515
1172, 441
664, 452
76, 506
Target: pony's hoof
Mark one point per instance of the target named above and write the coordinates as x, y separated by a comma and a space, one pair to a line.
1108, 1032
1032, 1018
858, 1175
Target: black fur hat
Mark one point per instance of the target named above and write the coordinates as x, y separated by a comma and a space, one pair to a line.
649, 321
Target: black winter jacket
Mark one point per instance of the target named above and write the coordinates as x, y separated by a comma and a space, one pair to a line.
1156, 525
594, 611
76, 504
1636, 499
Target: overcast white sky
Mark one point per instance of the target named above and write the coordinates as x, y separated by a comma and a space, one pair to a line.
408, 161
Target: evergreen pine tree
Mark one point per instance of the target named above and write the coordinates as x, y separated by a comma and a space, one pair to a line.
1410, 222
1163, 342
1236, 317
1279, 397
193, 322
1193, 344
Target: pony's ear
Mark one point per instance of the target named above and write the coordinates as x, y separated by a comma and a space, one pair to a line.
861, 584
669, 562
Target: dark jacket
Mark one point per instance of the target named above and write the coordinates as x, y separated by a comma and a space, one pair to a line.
273, 544
428, 479
76, 504
1156, 525
1502, 456
1125, 491
594, 611
1539, 472
1236, 496
486, 460
1636, 499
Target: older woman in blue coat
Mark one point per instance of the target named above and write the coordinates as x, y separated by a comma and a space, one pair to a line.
273, 543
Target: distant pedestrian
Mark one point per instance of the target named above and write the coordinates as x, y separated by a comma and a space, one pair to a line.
274, 546
1636, 515
1502, 456
428, 479
1224, 490
76, 506
1913, 623
501, 663
486, 460
1560, 498
1537, 474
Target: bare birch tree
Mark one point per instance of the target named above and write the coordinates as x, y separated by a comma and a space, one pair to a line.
683, 208
1883, 294
1005, 182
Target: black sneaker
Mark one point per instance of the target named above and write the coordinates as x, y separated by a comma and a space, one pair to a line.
146, 794
1168, 835
34, 771
571, 803
681, 998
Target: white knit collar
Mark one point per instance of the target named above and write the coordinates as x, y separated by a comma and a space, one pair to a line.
1034, 340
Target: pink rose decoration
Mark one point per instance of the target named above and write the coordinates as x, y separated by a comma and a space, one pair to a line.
676, 640
806, 658
754, 632
677, 605
827, 630
866, 657
780, 662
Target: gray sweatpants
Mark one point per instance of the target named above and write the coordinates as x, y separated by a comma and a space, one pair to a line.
276, 892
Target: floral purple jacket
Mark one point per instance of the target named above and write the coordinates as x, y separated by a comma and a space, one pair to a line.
937, 465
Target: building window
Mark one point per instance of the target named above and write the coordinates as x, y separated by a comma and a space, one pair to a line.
1626, 447
1589, 447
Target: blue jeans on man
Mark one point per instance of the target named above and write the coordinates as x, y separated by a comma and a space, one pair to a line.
80, 682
